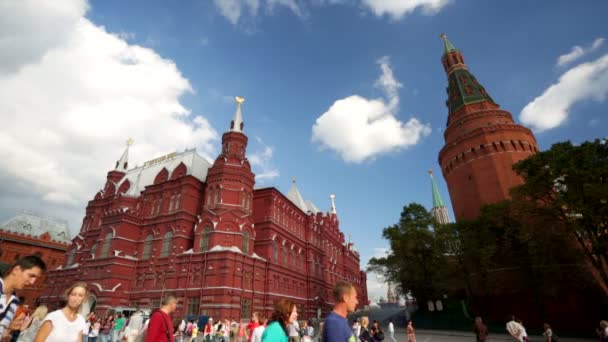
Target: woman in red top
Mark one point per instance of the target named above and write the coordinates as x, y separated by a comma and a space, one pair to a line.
160, 328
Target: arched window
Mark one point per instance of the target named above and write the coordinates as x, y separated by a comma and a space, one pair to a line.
293, 258
178, 201
205, 239
275, 251
209, 197
147, 247
106, 245
246, 242
171, 202
94, 249
217, 196
166, 245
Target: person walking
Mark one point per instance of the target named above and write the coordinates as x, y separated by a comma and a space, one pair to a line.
411, 332
23, 273
28, 334
65, 324
548, 333
293, 331
515, 329
255, 322
256, 336
377, 333
134, 328
94, 330
105, 332
602, 332
336, 327
391, 330
364, 334
285, 312
160, 327
480, 329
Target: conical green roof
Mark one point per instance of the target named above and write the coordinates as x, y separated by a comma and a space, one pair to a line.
437, 201
447, 46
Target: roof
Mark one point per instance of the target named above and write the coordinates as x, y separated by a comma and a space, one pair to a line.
437, 201
296, 198
30, 224
142, 176
447, 46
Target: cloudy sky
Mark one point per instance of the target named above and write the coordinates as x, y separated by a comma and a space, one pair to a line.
347, 96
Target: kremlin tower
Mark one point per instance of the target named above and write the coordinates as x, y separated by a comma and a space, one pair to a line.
439, 210
482, 142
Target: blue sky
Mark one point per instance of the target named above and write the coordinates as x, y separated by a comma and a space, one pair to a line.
345, 95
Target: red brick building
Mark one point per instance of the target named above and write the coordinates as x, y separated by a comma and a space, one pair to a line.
27, 234
482, 142
181, 225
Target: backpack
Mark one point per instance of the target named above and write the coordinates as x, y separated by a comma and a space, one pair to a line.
189, 328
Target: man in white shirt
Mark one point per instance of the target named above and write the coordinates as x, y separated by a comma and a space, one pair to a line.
136, 323
256, 335
391, 330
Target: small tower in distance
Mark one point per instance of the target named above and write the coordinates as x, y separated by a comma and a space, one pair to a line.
439, 210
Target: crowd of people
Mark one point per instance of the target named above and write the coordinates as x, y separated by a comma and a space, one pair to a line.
18, 324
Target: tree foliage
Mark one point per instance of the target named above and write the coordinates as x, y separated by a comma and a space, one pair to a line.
568, 185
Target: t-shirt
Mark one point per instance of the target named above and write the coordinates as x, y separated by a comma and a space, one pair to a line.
160, 327
7, 310
391, 327
256, 336
64, 330
336, 329
251, 327
119, 323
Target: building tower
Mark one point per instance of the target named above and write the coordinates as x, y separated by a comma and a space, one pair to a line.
228, 203
439, 211
482, 142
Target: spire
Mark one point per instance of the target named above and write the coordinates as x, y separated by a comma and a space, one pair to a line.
447, 46
333, 203
437, 201
463, 88
123, 164
439, 210
237, 122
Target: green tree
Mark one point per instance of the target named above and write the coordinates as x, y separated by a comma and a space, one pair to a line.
416, 261
568, 185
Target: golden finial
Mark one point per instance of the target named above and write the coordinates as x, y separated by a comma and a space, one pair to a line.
430, 172
293, 180
443, 36
130, 142
239, 99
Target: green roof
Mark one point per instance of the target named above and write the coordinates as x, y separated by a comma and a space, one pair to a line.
437, 201
447, 46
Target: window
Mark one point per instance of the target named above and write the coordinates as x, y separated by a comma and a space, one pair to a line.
285, 255
205, 239
171, 201
246, 242
246, 308
147, 247
178, 201
293, 258
94, 249
193, 306
106, 245
156, 303
217, 196
166, 245
275, 251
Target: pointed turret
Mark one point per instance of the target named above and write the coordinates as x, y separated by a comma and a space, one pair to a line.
236, 125
122, 165
463, 87
439, 210
482, 141
295, 196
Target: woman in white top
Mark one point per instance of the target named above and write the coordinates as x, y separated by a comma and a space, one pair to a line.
65, 325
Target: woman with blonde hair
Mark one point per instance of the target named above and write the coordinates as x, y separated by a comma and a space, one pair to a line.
285, 313
28, 334
365, 335
65, 324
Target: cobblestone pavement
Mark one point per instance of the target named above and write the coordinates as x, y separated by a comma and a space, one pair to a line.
459, 336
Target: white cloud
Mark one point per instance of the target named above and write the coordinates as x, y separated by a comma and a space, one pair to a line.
360, 129
234, 10
261, 162
69, 100
396, 9
577, 52
586, 81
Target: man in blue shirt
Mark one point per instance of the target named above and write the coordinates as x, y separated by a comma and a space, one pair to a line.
336, 328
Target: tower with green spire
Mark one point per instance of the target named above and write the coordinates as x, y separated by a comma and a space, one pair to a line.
439, 210
482, 141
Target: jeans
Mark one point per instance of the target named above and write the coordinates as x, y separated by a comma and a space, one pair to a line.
104, 337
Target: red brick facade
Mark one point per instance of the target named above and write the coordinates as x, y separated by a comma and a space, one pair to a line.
223, 248
482, 142
16, 245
